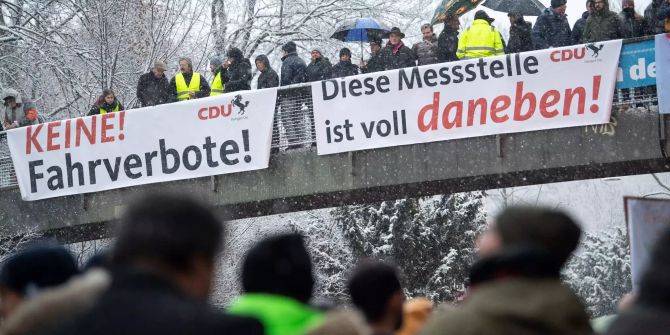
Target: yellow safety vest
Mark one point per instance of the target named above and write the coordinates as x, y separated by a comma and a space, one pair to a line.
182, 89
104, 111
217, 86
481, 39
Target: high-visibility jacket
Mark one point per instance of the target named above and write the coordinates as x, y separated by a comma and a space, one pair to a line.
217, 85
104, 111
481, 39
183, 89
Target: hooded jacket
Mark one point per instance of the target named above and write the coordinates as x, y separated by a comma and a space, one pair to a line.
237, 77
633, 25
426, 51
292, 69
519, 37
602, 25
578, 28
344, 69
267, 78
447, 45
551, 30
651, 15
319, 69
16, 114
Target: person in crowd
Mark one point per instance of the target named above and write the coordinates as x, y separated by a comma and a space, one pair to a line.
153, 88
277, 281
376, 291
481, 39
447, 42
345, 68
375, 63
216, 66
187, 84
163, 266
395, 54
650, 14
415, 314
552, 29
663, 15
650, 312
516, 286
16, 108
27, 272
237, 76
634, 24
342, 322
319, 68
519, 34
578, 28
32, 116
106, 103
293, 67
603, 24
268, 76
426, 50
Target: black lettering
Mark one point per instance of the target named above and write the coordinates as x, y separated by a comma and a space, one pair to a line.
472, 75
354, 86
496, 66
198, 158
148, 157
225, 151
368, 131
382, 84
456, 72
337, 130
481, 64
113, 173
324, 89
409, 82
69, 168
369, 87
386, 124
164, 154
55, 182
528, 63
508, 59
429, 76
132, 162
208, 146
34, 176
91, 170
444, 73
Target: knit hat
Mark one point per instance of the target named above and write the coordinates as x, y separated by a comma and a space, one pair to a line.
482, 15
215, 61
159, 65
318, 51
345, 51
558, 3
376, 40
37, 267
289, 47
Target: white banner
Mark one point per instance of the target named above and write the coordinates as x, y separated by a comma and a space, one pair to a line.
196, 138
663, 72
545, 89
647, 219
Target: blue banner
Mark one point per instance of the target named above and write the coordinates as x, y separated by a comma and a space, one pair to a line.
637, 65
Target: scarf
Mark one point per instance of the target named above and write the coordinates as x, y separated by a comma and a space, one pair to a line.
395, 48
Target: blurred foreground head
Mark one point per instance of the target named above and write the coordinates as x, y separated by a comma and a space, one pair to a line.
550, 230
29, 271
279, 265
172, 236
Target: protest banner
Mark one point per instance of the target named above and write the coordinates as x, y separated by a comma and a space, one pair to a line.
647, 219
196, 138
663, 70
545, 89
637, 65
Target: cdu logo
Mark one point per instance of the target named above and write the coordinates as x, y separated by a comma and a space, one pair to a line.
240, 106
595, 49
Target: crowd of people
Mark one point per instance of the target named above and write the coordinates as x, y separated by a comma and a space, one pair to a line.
157, 276
480, 39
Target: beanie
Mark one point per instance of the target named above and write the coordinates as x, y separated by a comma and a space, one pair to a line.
557, 3
289, 47
345, 51
215, 61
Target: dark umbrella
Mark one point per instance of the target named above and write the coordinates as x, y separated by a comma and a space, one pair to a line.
453, 8
519, 7
360, 30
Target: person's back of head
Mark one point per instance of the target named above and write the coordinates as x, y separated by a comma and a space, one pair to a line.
655, 284
375, 289
289, 47
279, 265
172, 235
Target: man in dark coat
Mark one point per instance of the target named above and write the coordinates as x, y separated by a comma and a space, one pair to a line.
578, 28
319, 68
293, 67
163, 262
237, 76
426, 50
345, 68
519, 34
663, 16
374, 64
634, 24
153, 88
552, 29
650, 14
395, 54
603, 24
268, 77
447, 42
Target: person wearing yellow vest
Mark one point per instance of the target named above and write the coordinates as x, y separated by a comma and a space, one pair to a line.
106, 103
216, 65
481, 39
187, 84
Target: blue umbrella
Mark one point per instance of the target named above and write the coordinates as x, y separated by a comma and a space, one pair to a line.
360, 30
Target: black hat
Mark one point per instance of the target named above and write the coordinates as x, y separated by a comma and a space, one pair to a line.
289, 47
482, 15
345, 51
375, 39
396, 30
558, 3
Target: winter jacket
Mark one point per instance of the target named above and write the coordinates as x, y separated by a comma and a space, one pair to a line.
551, 30
602, 25
426, 51
139, 303
374, 64
279, 315
651, 15
514, 294
663, 16
397, 57
17, 114
152, 91
447, 45
292, 70
633, 25
53, 306
114, 107
480, 40
344, 69
578, 28
203, 92
519, 37
319, 69
237, 77
268, 78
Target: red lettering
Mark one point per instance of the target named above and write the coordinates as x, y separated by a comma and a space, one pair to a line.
68, 133
549, 99
458, 119
566, 55
223, 110
472, 106
554, 56
105, 126
500, 104
202, 116
519, 102
577, 55
433, 108
31, 139
214, 112
81, 127
52, 135
570, 94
